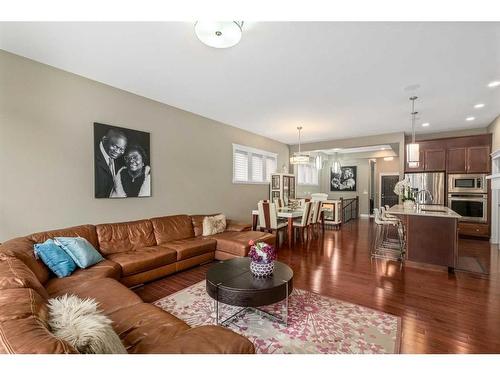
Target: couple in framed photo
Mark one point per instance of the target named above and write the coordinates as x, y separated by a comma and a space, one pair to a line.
121, 162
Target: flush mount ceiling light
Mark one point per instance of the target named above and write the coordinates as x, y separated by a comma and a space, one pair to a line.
425, 124
470, 118
413, 149
221, 34
480, 105
299, 157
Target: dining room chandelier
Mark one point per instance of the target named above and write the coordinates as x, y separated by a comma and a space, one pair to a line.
299, 157
413, 148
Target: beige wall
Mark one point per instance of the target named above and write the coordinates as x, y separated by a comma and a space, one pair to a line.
46, 153
494, 129
324, 183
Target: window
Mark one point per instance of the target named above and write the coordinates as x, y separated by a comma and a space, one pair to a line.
253, 166
307, 174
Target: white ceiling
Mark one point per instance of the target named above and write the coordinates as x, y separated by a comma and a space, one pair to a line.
338, 80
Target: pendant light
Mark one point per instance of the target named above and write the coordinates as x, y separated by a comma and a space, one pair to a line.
299, 157
413, 149
318, 161
336, 167
219, 34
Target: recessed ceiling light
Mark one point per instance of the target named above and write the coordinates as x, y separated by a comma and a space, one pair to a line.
382, 148
425, 124
480, 105
389, 158
470, 118
494, 84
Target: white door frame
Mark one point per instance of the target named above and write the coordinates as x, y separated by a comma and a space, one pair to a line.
380, 184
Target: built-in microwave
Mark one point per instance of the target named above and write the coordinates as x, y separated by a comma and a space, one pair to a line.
467, 183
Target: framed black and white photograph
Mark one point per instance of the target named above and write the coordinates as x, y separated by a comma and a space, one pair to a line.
345, 180
121, 162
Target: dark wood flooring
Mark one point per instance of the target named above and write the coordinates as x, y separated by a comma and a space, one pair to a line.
441, 312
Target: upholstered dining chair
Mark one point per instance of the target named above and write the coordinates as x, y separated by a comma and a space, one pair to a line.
268, 219
279, 202
302, 224
315, 216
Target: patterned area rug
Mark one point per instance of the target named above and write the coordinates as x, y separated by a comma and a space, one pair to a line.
316, 324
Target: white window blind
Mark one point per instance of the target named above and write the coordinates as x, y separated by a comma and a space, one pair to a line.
240, 166
251, 165
307, 174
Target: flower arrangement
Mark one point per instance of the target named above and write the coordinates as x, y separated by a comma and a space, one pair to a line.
403, 189
262, 258
261, 252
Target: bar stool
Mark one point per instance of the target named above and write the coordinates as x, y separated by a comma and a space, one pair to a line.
385, 246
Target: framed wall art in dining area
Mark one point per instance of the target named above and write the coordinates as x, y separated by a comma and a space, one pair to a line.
346, 180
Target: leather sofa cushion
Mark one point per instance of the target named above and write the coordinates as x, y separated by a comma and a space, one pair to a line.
145, 325
101, 270
23, 324
198, 340
236, 243
172, 228
191, 247
22, 248
144, 259
124, 237
197, 221
14, 274
87, 231
109, 293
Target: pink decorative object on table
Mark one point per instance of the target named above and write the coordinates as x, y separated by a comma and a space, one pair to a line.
262, 258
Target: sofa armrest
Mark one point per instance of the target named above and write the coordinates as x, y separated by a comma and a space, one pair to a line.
236, 226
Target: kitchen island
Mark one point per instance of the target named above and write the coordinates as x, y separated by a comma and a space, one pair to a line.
431, 235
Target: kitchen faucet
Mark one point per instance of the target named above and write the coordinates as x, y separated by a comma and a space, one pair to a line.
417, 197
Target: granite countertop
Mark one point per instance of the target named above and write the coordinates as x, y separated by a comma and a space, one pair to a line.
425, 210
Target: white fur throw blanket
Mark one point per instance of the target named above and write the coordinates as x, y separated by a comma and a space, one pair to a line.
80, 323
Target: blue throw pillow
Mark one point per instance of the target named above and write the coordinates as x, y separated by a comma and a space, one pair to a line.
80, 250
55, 258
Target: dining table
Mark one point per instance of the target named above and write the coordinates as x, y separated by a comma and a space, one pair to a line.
289, 214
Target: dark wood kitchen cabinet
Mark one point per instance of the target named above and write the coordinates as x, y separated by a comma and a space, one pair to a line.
474, 159
435, 160
456, 160
478, 159
470, 154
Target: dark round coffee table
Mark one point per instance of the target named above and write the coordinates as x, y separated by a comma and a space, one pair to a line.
231, 282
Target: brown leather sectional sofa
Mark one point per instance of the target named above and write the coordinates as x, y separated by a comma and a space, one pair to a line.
135, 252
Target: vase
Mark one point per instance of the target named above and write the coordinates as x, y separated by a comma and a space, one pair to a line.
261, 269
408, 205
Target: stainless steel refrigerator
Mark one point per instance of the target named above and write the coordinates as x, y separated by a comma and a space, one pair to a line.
434, 182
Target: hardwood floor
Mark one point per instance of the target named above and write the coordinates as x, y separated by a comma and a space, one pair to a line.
441, 312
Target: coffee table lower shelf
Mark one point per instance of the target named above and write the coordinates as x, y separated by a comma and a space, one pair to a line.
283, 319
